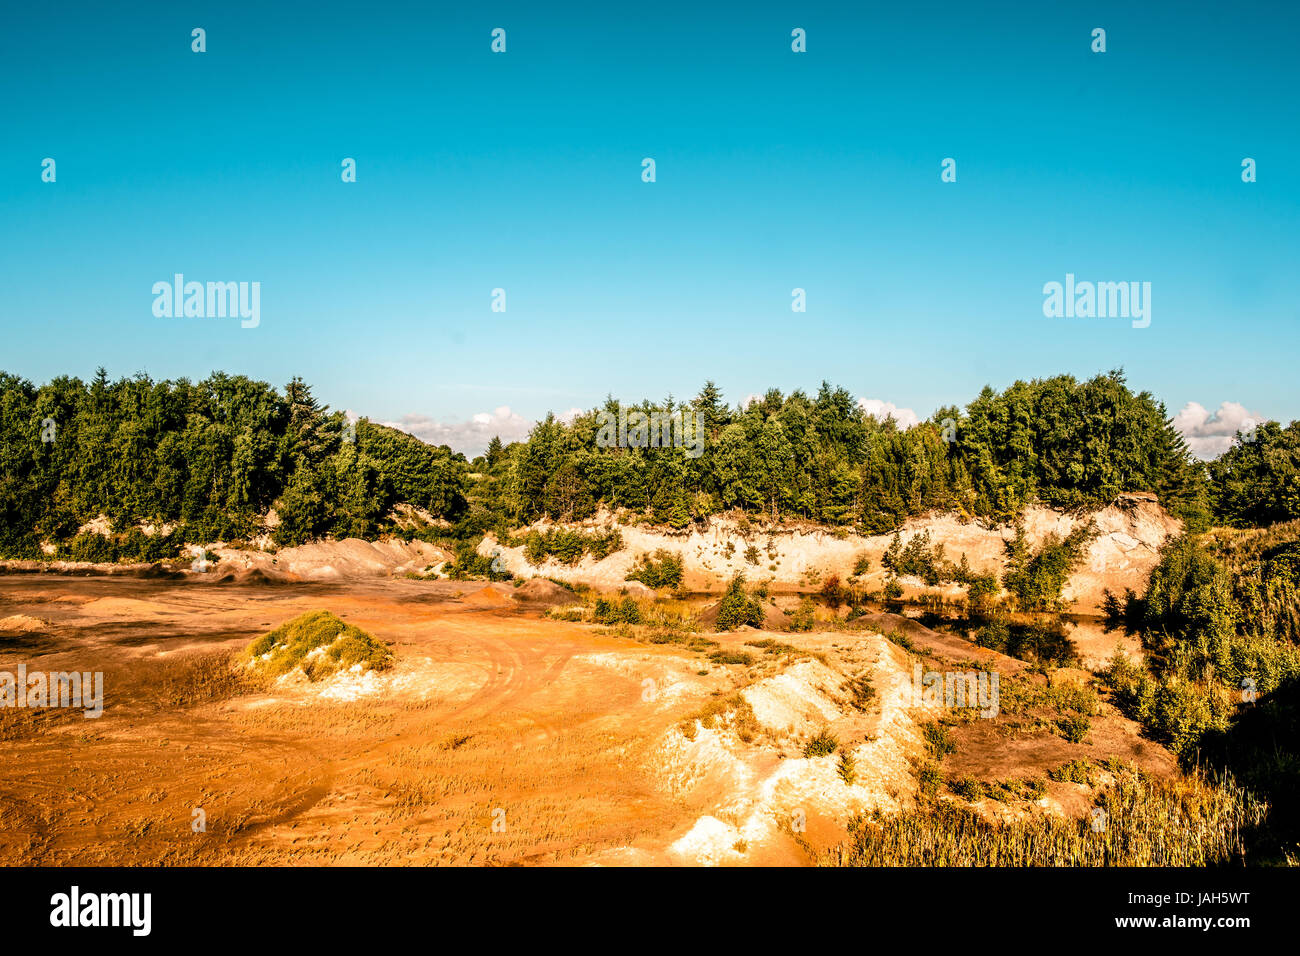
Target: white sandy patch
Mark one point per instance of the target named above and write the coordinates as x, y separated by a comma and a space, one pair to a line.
796, 700
754, 795
1131, 533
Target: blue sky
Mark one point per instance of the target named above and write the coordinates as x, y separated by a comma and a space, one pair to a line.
775, 170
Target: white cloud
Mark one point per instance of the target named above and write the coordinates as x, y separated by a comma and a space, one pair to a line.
881, 410
1210, 435
468, 437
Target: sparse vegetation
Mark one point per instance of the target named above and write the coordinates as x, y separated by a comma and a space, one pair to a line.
320, 645
847, 768
729, 713
204, 677
663, 570
1150, 822
570, 545
938, 740
822, 745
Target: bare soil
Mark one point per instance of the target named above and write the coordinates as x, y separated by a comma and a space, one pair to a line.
500, 736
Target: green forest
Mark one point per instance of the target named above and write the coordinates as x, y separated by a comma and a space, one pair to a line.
211, 458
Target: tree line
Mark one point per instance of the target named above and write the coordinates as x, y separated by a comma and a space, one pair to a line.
821, 458
212, 458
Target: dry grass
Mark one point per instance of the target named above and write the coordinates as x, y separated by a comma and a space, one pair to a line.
1147, 822
731, 713
204, 677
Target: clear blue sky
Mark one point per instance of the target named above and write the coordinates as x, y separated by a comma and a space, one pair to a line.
775, 170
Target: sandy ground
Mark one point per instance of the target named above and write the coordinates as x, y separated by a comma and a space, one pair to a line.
500, 736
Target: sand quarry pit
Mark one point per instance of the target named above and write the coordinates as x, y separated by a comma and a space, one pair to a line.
498, 736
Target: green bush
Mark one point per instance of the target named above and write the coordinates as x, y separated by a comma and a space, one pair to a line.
802, 619
626, 611
569, 546
738, 608
468, 564
1037, 578
822, 745
663, 570
968, 788
1074, 727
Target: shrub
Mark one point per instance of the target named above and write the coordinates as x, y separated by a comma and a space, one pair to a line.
663, 570
802, 619
737, 608
929, 779
1076, 771
570, 545
1074, 727
468, 564
626, 611
938, 741
1036, 579
732, 657
833, 592
822, 745
847, 768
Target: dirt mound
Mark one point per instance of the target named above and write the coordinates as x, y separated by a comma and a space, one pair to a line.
22, 624
542, 591
256, 577
346, 560
158, 571
774, 619
315, 646
708, 617
487, 596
